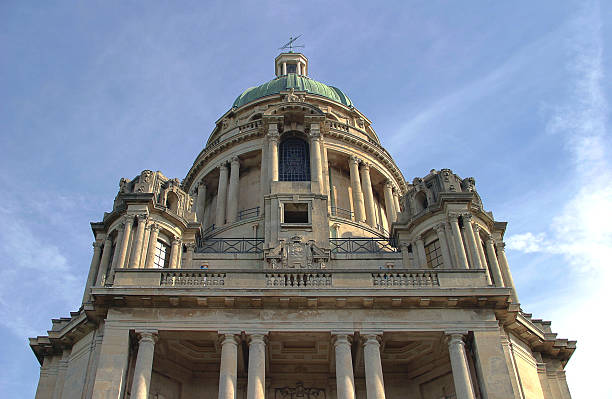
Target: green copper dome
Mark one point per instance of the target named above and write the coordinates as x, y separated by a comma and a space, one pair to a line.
288, 82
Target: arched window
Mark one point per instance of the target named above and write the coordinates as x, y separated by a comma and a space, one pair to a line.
294, 160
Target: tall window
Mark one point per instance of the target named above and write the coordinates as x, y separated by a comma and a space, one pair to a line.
294, 160
162, 255
433, 254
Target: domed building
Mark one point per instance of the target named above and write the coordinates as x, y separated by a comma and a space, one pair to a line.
295, 261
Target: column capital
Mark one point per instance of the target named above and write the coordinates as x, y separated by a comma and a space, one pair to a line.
453, 216
230, 337
201, 183
97, 244
389, 184
456, 337
141, 216
223, 165
341, 338
176, 240
467, 217
500, 245
235, 160
372, 338
365, 166
354, 160
128, 219
440, 227
147, 336
190, 245
419, 237
476, 228
257, 337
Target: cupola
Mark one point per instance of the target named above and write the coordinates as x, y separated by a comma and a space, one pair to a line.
287, 63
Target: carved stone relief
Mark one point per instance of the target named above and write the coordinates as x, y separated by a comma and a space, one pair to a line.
299, 392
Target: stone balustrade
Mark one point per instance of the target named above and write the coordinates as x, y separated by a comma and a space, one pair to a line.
385, 280
305, 278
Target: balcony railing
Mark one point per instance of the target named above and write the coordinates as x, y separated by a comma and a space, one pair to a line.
342, 213
248, 213
384, 280
362, 245
230, 246
192, 279
307, 280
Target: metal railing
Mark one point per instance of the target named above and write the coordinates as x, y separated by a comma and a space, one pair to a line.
248, 213
405, 280
230, 246
362, 245
342, 213
192, 279
308, 279
208, 230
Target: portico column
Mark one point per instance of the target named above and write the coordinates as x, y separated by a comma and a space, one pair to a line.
366, 183
138, 238
375, 385
104, 263
446, 258
495, 270
229, 364
356, 187
316, 177
273, 138
221, 195
398, 208
463, 263
389, 204
345, 382
150, 261
471, 240
256, 387
174, 252
459, 366
144, 365
125, 240
93, 269
505, 269
481, 253
232, 196
420, 248
201, 201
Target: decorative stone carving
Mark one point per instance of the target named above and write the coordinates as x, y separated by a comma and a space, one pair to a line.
297, 255
299, 392
291, 97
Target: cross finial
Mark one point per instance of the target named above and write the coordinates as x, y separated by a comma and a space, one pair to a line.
290, 44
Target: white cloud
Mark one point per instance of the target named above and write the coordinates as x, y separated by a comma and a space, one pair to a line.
582, 231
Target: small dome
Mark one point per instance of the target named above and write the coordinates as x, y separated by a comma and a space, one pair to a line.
288, 82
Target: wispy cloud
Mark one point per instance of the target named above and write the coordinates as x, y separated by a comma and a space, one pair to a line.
582, 231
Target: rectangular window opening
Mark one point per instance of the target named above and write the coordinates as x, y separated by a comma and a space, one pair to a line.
295, 213
434, 254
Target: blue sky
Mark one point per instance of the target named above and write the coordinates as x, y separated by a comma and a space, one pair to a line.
512, 93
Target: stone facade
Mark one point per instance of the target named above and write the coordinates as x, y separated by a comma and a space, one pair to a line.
295, 261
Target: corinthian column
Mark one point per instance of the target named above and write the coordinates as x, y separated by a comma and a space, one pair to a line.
104, 262
93, 269
125, 241
273, 137
256, 386
150, 261
175, 252
345, 382
138, 239
471, 240
396, 201
375, 385
453, 219
495, 270
389, 204
221, 195
368, 195
232, 196
201, 202
481, 253
144, 365
459, 366
229, 364
446, 258
356, 187
316, 177
505, 269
